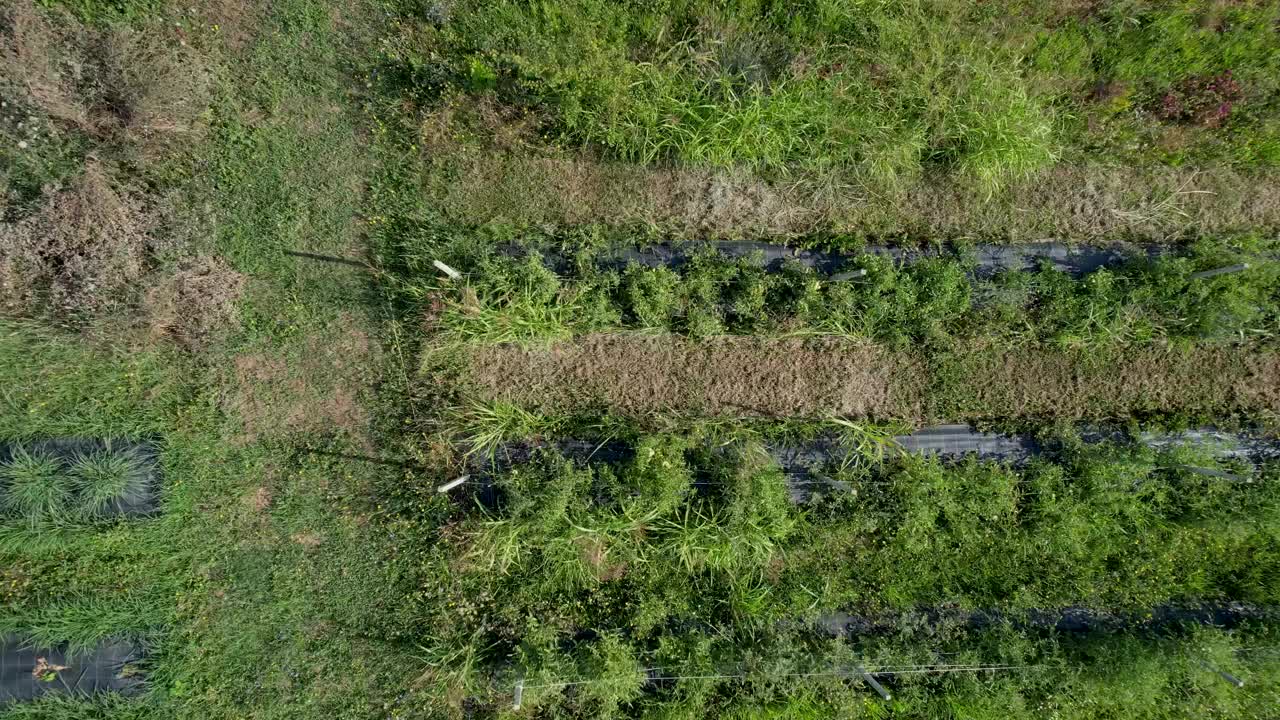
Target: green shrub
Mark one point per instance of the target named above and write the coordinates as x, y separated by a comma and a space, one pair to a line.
649, 295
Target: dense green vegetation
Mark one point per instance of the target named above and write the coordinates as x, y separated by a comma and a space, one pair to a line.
646, 545
990, 91
219, 222
691, 557
929, 301
796, 674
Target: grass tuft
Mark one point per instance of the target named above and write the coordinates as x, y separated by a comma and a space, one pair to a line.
36, 488
102, 479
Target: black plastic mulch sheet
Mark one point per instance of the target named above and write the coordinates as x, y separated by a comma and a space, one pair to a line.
28, 671
801, 462
140, 498
988, 259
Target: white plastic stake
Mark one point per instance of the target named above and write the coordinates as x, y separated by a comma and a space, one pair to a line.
1219, 271
848, 275
519, 694
866, 677
1224, 675
453, 274
1213, 473
453, 484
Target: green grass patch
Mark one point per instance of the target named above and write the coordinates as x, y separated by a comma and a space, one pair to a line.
104, 477
36, 488
887, 90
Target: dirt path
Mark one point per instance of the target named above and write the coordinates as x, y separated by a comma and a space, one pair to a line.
795, 377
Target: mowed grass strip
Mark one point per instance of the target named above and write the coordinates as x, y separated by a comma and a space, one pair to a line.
636, 375
1089, 201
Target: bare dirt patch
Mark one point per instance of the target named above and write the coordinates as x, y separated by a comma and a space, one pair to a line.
749, 377
318, 389
739, 376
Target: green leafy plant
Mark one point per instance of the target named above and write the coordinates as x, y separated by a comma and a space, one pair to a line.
934, 301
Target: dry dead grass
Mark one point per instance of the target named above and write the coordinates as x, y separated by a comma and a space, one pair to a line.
132, 96
1103, 385
642, 375
735, 376
195, 303
34, 63
140, 87
83, 251
1090, 202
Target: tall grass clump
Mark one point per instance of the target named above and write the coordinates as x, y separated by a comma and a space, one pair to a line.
35, 488
103, 479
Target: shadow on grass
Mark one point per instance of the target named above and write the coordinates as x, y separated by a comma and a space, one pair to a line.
328, 258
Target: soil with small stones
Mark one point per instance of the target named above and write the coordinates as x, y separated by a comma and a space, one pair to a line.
815, 377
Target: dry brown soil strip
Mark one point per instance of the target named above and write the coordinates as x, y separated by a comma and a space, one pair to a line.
799, 377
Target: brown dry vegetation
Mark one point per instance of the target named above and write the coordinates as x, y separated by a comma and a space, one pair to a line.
1082, 202
135, 85
87, 241
195, 303
739, 376
318, 390
748, 377
83, 251
1049, 384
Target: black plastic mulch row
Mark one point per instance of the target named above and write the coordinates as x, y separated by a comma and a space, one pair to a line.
141, 498
28, 671
800, 462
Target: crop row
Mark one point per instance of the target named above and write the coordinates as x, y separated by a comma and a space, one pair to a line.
692, 555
